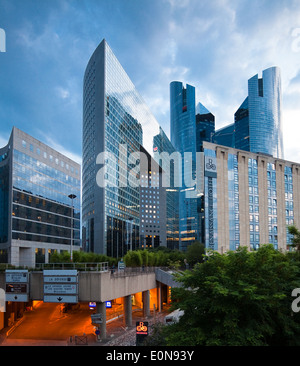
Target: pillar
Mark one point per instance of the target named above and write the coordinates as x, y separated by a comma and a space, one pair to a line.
159, 302
146, 303
128, 310
101, 308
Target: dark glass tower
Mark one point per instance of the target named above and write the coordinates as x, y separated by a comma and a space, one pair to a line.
205, 126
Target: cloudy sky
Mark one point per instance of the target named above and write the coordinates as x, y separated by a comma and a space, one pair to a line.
215, 45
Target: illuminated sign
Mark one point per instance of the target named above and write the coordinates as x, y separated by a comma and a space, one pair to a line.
142, 328
108, 304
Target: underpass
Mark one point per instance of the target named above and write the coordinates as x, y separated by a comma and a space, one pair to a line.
134, 294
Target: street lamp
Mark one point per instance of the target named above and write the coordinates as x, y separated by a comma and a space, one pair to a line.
72, 196
130, 219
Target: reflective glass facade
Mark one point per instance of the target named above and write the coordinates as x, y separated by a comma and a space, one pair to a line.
113, 113
162, 144
183, 138
258, 126
37, 212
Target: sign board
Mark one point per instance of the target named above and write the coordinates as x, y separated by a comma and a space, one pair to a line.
61, 286
16, 285
121, 265
61, 299
16, 276
97, 318
142, 329
210, 167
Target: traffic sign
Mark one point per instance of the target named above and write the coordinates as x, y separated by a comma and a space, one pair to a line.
61, 298
16, 286
61, 286
16, 276
97, 318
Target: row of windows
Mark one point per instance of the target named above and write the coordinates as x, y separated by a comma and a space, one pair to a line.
46, 155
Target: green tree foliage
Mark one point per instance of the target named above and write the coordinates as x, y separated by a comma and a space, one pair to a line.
238, 298
296, 237
195, 253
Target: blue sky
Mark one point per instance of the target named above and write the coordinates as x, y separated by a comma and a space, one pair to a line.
215, 45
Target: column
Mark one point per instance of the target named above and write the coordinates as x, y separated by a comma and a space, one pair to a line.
127, 310
159, 302
101, 308
146, 303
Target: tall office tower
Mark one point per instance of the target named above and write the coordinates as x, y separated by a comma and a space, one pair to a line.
258, 125
163, 150
36, 212
116, 121
183, 137
152, 204
205, 126
225, 136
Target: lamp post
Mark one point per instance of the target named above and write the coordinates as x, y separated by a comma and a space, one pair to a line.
72, 196
130, 219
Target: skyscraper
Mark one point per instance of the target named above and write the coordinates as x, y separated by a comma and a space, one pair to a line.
183, 138
205, 126
258, 121
116, 122
163, 150
36, 213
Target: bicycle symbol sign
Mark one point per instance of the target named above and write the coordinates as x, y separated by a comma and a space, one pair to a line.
142, 328
210, 165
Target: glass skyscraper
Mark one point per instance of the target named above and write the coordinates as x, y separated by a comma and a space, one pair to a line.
258, 125
116, 121
36, 213
183, 138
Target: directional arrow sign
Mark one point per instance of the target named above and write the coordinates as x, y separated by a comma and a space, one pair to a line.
61, 298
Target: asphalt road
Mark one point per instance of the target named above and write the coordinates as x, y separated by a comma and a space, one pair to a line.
48, 323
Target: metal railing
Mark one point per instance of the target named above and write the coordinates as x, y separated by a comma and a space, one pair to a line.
132, 271
84, 266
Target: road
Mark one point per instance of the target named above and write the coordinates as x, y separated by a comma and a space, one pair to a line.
47, 324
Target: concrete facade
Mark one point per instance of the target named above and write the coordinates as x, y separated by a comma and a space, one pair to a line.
274, 185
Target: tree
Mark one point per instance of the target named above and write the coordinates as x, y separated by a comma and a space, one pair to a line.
194, 253
238, 298
296, 237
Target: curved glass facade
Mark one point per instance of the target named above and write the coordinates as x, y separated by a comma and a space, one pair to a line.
183, 138
265, 113
258, 125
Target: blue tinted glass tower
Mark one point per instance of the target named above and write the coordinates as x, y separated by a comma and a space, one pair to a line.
183, 138
258, 125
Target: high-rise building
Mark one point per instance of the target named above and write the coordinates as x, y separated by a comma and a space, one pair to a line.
225, 136
250, 199
163, 150
153, 217
258, 121
37, 216
205, 126
116, 122
183, 138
